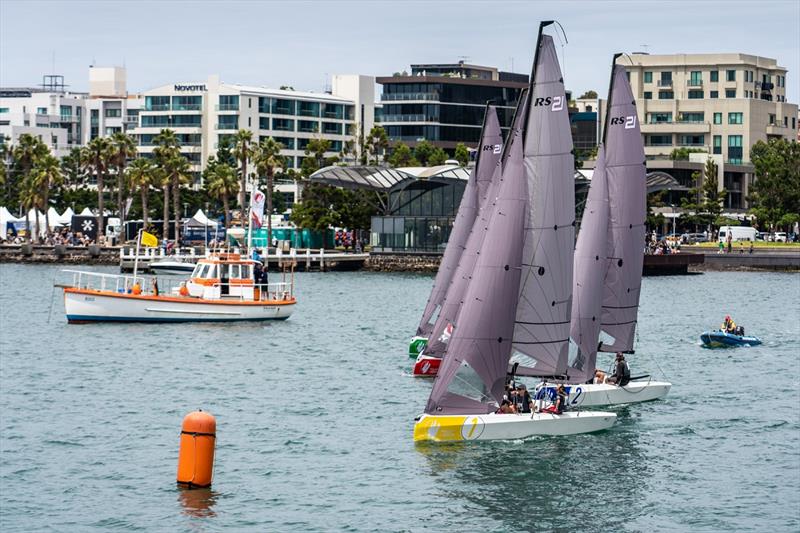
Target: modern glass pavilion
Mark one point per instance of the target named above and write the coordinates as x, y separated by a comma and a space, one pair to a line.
417, 205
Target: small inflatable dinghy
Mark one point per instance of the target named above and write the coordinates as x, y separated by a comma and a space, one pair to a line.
721, 339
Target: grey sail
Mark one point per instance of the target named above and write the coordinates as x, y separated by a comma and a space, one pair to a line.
627, 189
591, 264
488, 155
454, 298
542, 323
472, 374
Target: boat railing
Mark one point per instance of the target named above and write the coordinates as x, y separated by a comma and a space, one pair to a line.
261, 291
104, 282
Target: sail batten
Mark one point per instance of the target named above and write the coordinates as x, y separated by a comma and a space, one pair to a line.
474, 194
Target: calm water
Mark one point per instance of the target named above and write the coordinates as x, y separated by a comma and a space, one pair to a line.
315, 417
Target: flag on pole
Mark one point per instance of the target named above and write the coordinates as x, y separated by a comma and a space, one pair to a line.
148, 239
257, 208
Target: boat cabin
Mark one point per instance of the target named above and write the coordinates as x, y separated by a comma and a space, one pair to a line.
221, 275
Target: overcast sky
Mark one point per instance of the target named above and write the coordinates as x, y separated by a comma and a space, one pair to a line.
274, 43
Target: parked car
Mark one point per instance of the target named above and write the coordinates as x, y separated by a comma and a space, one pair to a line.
738, 233
692, 238
779, 236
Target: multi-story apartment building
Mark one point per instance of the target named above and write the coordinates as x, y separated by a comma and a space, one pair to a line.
444, 103
109, 108
721, 104
203, 113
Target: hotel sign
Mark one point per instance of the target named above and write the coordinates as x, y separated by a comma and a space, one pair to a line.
190, 87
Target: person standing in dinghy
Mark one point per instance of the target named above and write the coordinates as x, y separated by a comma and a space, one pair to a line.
622, 374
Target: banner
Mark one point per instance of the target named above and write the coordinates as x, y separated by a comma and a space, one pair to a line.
257, 209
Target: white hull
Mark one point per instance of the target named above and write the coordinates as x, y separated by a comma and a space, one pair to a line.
172, 267
442, 428
596, 394
92, 306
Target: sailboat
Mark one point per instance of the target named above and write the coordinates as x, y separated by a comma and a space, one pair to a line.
475, 192
608, 259
517, 303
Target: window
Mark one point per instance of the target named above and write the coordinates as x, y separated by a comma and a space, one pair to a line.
697, 116
785, 122
3, 110
308, 109
717, 118
264, 104
735, 118
287, 142
714, 75
263, 123
695, 94
666, 79
283, 107
111, 113
794, 124
665, 95
332, 128
717, 144
39, 110
228, 102
695, 79
648, 95
692, 140
735, 149
648, 77
156, 103
308, 126
189, 120
282, 124
730, 75
772, 119
335, 111
187, 103
659, 118
112, 130
660, 140
227, 122
730, 93
713, 94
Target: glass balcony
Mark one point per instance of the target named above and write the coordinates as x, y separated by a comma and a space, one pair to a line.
694, 83
227, 126
157, 107
187, 107
227, 107
410, 96
408, 118
665, 83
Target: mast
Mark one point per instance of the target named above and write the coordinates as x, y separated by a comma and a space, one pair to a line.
471, 201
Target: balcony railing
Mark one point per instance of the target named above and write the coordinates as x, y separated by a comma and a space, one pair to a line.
694, 83
187, 107
157, 107
665, 83
408, 118
227, 127
227, 107
410, 96
131, 119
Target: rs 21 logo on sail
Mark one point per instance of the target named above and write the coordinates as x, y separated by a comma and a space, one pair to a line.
556, 103
630, 122
494, 148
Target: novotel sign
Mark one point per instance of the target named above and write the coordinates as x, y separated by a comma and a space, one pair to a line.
190, 87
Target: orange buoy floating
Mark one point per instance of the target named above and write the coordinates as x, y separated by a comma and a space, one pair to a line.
196, 455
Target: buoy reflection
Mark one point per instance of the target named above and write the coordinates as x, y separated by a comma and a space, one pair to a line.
198, 503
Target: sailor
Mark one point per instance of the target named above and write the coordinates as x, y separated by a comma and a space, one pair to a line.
622, 374
728, 325
560, 404
524, 400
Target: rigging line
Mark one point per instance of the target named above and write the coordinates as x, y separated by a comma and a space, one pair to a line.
617, 323
540, 342
540, 323
620, 307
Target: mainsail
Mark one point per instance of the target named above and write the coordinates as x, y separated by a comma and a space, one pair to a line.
591, 264
520, 289
627, 190
488, 155
451, 306
541, 330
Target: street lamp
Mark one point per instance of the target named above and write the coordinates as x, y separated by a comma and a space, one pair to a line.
673, 220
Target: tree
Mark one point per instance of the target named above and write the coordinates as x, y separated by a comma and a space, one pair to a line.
167, 148
775, 194
225, 151
588, 94
316, 210
97, 156
178, 171
30, 196
377, 142
437, 157
221, 183
267, 159
72, 169
141, 174
461, 154
315, 157
704, 202
402, 156
47, 176
243, 151
24, 155
423, 152
682, 154
123, 148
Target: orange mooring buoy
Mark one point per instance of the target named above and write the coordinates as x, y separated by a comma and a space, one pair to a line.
196, 455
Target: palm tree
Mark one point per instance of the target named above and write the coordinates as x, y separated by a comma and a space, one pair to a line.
24, 155
124, 148
178, 171
267, 158
97, 156
167, 147
30, 195
243, 151
222, 183
141, 174
48, 176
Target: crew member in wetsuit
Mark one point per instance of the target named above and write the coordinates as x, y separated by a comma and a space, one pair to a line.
622, 374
